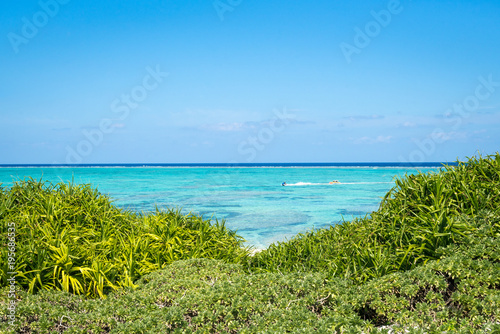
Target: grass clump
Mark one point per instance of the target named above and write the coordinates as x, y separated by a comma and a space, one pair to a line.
428, 261
457, 293
416, 219
72, 238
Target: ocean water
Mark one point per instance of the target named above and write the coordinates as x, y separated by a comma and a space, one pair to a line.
250, 199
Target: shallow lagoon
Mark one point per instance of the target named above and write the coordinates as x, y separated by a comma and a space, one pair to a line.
250, 199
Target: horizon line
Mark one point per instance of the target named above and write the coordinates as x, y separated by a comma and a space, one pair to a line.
242, 164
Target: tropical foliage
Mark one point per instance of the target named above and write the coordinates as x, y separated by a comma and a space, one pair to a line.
428, 261
419, 216
72, 238
458, 293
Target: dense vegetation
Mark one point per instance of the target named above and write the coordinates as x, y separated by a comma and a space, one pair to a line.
427, 261
419, 216
72, 238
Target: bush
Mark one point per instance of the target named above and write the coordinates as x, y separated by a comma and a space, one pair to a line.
72, 238
428, 261
418, 217
458, 293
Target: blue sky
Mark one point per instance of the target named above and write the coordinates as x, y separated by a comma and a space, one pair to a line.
248, 81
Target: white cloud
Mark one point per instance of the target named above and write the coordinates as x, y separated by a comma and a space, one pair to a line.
407, 124
227, 127
363, 117
443, 136
371, 140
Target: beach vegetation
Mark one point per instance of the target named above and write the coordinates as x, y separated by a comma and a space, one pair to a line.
73, 238
421, 215
427, 261
459, 293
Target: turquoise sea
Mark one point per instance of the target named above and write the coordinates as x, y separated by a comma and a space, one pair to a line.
250, 199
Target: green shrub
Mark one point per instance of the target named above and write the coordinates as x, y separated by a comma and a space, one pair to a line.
72, 238
418, 217
458, 293
195, 296
428, 261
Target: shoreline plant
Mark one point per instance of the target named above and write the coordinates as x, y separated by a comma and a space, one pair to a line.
72, 238
417, 218
427, 261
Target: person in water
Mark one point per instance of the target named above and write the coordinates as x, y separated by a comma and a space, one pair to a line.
334, 181
283, 184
